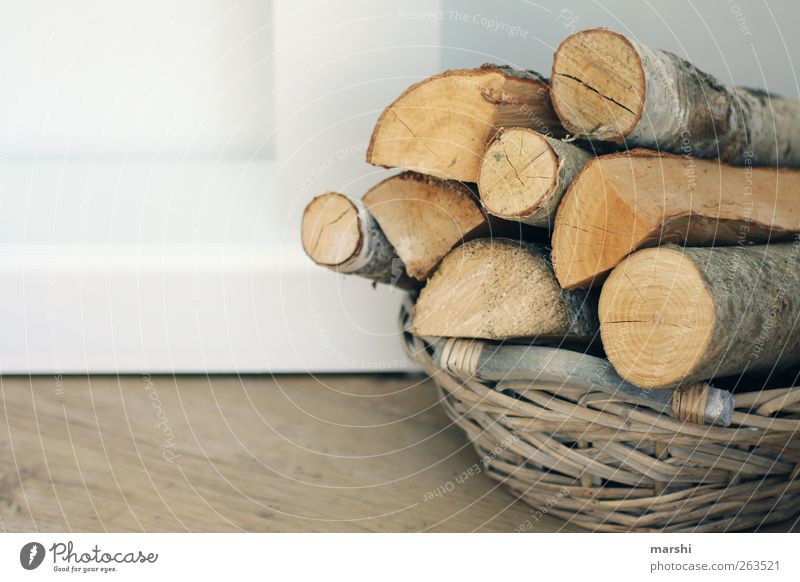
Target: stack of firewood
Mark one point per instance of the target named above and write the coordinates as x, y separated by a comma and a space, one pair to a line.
632, 206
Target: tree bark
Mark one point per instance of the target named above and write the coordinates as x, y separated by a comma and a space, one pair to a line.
524, 174
424, 218
502, 289
441, 125
340, 234
623, 202
671, 316
609, 87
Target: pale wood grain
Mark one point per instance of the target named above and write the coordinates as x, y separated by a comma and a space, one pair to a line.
441, 125
336, 453
672, 315
620, 203
501, 289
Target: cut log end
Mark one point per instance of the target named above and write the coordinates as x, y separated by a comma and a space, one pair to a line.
656, 317
441, 125
518, 171
598, 85
501, 289
331, 231
424, 218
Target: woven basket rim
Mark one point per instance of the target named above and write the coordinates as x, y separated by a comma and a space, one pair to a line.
605, 463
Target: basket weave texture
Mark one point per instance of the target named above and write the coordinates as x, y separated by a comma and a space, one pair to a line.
606, 463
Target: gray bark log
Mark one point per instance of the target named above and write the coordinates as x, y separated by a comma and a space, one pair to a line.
690, 112
757, 293
558, 367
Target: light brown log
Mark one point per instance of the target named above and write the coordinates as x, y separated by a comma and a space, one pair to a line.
609, 87
441, 125
524, 174
339, 233
623, 202
425, 217
670, 316
502, 289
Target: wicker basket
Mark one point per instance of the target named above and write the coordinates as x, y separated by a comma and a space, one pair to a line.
606, 463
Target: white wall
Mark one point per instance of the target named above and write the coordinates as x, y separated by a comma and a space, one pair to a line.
153, 166
338, 64
745, 42
155, 158
106, 77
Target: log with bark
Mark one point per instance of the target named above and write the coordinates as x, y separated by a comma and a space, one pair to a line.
561, 369
623, 202
524, 174
339, 233
502, 289
441, 125
609, 87
671, 316
424, 218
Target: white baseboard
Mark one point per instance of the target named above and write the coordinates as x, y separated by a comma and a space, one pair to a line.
189, 310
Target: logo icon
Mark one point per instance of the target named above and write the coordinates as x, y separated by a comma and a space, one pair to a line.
31, 555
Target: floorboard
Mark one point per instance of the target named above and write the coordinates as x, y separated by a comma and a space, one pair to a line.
223, 453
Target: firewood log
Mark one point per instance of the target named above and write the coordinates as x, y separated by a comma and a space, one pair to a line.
609, 87
424, 218
441, 125
339, 233
672, 316
623, 202
502, 289
524, 174
559, 368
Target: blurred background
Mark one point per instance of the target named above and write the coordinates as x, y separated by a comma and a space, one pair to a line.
155, 158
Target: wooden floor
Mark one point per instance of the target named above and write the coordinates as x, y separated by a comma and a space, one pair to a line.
334, 453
